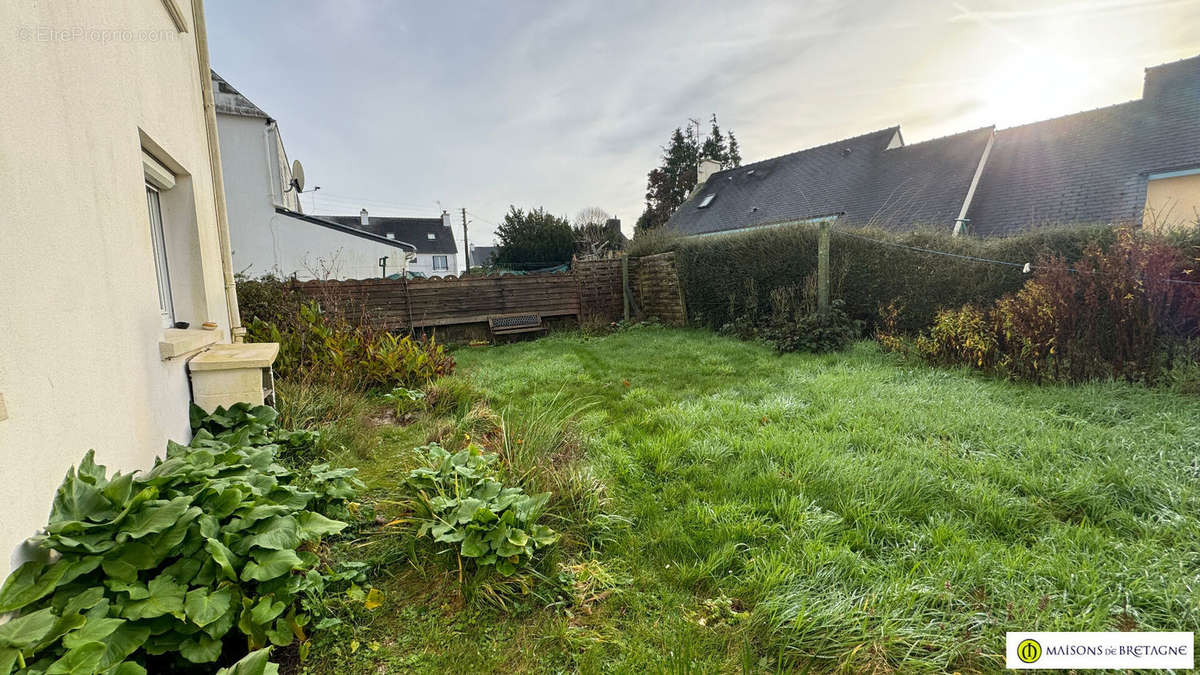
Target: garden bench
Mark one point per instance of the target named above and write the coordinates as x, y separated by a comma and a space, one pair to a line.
505, 324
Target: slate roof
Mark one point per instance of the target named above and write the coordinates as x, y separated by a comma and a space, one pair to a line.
230, 101
806, 184
1087, 167
357, 232
414, 231
858, 178
482, 255
920, 184
1091, 166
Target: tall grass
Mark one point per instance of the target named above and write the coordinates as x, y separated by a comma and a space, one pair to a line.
850, 512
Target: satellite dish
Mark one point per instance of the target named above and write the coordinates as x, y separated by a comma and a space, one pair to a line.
297, 175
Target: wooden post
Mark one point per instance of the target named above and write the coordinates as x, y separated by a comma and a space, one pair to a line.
625, 283
823, 268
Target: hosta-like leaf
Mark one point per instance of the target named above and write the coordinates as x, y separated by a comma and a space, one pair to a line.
203, 608
83, 601
28, 630
122, 642
517, 537
374, 599
278, 533
166, 597
156, 516
134, 591
31, 581
8, 659
268, 565
200, 649
223, 557
314, 526
473, 546
120, 570
280, 634
254, 663
35, 580
79, 499
185, 570
93, 631
466, 510
543, 535
83, 660
119, 490
138, 554
265, 610
484, 515
488, 490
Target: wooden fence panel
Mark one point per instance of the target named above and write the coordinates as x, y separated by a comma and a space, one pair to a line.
593, 288
657, 289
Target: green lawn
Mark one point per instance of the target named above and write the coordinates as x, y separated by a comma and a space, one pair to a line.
728, 509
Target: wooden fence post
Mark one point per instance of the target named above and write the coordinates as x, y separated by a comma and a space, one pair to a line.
823, 268
625, 283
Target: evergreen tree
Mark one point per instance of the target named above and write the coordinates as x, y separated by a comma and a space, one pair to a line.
532, 239
669, 184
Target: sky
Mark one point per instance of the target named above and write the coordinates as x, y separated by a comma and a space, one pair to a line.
408, 108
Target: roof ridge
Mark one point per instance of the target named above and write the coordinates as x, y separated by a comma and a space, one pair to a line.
1074, 114
976, 130
892, 129
1171, 63
254, 105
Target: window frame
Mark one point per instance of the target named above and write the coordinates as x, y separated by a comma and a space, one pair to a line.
445, 259
162, 268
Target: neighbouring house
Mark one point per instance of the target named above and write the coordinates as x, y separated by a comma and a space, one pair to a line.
114, 233
436, 252
481, 256
1135, 162
270, 233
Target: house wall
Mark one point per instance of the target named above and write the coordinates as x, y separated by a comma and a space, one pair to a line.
79, 349
424, 264
267, 242
1173, 203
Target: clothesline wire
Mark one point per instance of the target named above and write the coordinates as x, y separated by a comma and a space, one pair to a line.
1023, 266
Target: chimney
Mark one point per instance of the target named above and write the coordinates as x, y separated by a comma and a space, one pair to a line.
707, 168
362, 218
446, 219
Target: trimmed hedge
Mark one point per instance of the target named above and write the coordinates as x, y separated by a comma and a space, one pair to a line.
728, 276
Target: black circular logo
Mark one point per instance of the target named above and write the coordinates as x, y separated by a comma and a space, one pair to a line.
1029, 651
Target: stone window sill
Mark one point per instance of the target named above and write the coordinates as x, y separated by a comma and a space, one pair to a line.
180, 342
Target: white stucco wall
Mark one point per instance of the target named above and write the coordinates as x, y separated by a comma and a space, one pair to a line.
424, 265
267, 242
79, 359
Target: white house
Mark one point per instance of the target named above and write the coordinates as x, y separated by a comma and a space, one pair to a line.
270, 234
436, 251
114, 229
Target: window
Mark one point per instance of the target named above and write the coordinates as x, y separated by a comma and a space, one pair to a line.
707, 200
430, 235
440, 263
159, 241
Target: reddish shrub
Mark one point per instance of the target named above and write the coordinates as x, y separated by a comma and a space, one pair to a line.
1109, 315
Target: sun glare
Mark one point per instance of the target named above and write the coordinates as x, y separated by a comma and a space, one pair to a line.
1034, 86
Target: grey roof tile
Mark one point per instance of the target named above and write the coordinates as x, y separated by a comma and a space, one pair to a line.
414, 231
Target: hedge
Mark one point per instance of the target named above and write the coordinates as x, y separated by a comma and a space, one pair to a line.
723, 275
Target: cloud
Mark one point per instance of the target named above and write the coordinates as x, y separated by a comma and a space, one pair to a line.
400, 106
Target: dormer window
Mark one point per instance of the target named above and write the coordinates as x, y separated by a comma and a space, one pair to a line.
708, 199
